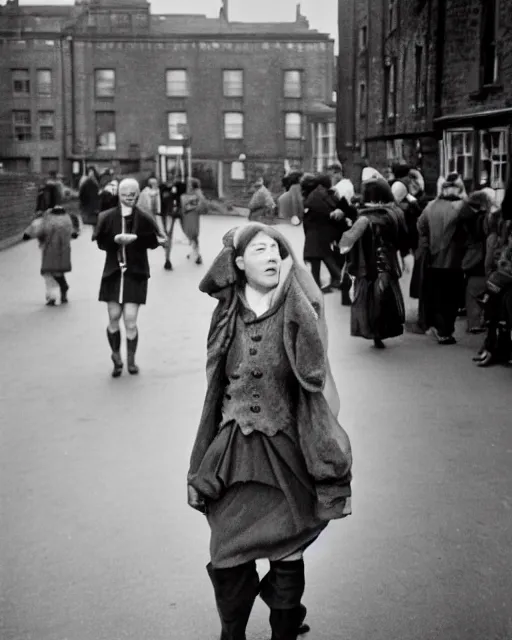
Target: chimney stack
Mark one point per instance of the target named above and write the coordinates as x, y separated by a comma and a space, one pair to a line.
224, 11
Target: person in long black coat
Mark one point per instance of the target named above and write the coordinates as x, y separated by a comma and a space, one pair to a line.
321, 215
125, 233
89, 197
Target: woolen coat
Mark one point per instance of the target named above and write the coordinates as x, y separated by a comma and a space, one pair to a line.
54, 232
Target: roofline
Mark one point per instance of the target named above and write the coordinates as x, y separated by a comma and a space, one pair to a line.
490, 113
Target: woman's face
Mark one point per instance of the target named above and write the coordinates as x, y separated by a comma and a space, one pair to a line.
261, 263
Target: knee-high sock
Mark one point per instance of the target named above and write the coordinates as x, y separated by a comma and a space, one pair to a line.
131, 344
114, 340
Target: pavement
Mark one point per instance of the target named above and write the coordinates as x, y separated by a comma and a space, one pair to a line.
97, 541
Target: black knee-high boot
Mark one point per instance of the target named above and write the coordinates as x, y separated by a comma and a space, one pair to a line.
236, 590
131, 346
63, 286
114, 340
282, 590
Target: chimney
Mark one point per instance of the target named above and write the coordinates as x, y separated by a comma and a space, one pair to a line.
224, 10
298, 14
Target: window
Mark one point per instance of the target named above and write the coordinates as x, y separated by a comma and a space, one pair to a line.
140, 20
105, 83
46, 125
237, 170
293, 126
293, 84
459, 153
233, 126
494, 158
233, 83
363, 38
362, 99
44, 82
22, 125
419, 94
324, 149
390, 89
106, 130
489, 45
20, 82
395, 151
392, 15
177, 123
177, 83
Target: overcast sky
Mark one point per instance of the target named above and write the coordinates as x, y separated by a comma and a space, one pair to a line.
322, 14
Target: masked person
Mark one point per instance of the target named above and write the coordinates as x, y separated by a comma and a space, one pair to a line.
125, 233
270, 465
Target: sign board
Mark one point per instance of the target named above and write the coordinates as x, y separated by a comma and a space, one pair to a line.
170, 151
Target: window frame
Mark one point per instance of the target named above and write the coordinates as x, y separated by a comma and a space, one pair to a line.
392, 18
112, 135
28, 125
39, 84
177, 124
286, 93
227, 125
489, 46
419, 79
363, 38
225, 83
502, 151
390, 89
104, 96
362, 99
287, 125
50, 134
451, 159
26, 80
184, 92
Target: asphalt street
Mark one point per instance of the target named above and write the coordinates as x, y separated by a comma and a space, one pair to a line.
97, 541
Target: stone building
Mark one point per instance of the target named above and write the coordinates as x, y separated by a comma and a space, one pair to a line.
109, 83
427, 82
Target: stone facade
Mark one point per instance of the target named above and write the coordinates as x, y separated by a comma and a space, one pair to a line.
414, 81
139, 53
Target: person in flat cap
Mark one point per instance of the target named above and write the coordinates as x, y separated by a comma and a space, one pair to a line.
271, 465
125, 233
378, 234
440, 251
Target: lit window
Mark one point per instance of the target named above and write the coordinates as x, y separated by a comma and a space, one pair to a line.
105, 83
20, 82
46, 125
363, 38
22, 125
292, 84
459, 151
177, 124
237, 171
233, 83
494, 158
106, 130
233, 126
44, 82
324, 153
293, 126
177, 83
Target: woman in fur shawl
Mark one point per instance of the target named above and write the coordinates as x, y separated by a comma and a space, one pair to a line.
379, 232
270, 465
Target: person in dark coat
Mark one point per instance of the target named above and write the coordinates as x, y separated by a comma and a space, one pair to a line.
88, 195
171, 210
54, 229
320, 211
271, 465
125, 234
374, 241
109, 197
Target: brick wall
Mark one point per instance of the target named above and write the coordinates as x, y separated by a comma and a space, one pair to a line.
17, 205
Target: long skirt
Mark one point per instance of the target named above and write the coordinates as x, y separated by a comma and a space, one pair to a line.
260, 499
124, 288
378, 310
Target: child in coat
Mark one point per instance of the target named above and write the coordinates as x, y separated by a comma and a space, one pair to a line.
54, 229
